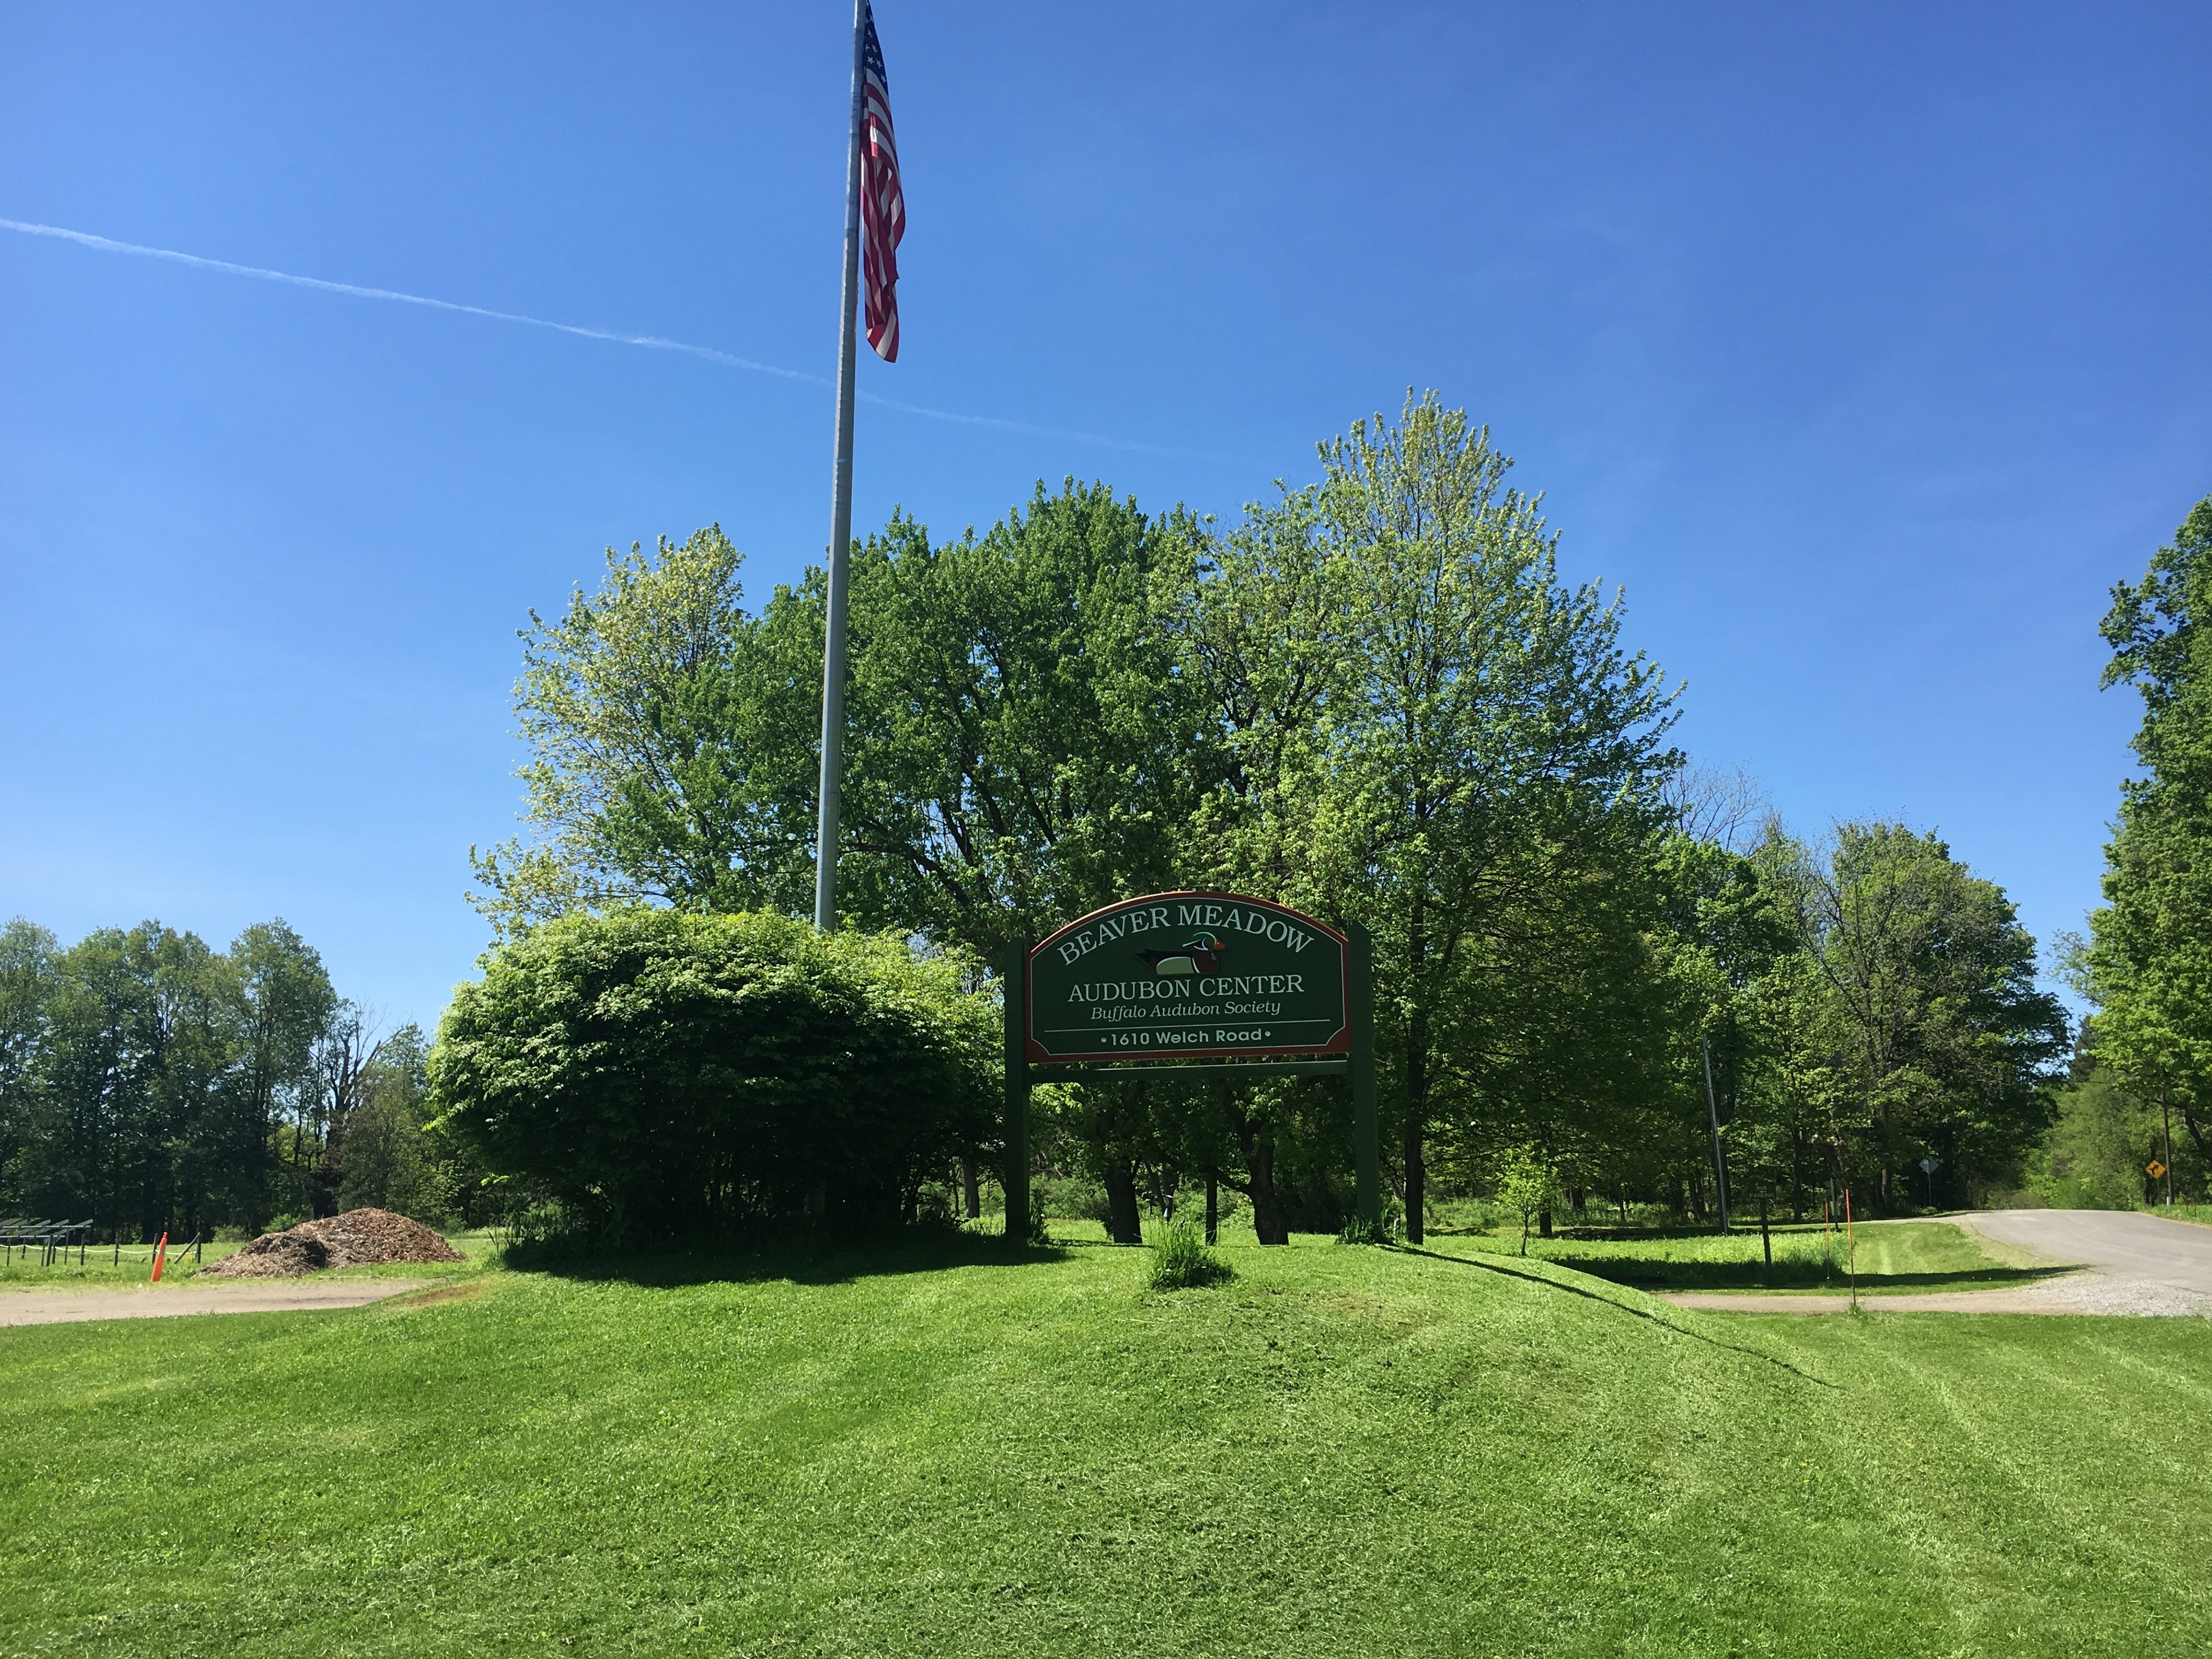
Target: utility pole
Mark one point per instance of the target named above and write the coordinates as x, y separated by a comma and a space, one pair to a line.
2165, 1103
841, 514
1713, 1118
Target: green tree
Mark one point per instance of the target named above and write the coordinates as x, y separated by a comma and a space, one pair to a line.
1932, 984
279, 1003
1429, 733
2102, 1142
1526, 1181
131, 1122
2150, 955
669, 748
27, 983
393, 1160
1025, 746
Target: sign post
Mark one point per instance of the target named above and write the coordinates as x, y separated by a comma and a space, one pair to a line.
1366, 1138
1017, 1178
1193, 985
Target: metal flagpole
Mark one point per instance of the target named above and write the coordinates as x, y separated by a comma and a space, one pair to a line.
1713, 1117
840, 516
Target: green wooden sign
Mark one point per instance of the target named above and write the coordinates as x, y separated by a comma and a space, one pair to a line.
1189, 977
1213, 983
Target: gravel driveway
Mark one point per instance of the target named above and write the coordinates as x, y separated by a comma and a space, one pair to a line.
2123, 1263
2134, 1263
44, 1307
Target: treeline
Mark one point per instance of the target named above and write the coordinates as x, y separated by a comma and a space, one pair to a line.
1372, 698
150, 1082
2141, 1090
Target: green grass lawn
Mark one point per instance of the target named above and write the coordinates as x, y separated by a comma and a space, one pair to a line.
1344, 1451
1894, 1257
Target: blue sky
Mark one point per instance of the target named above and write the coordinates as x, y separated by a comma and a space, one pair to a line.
1865, 346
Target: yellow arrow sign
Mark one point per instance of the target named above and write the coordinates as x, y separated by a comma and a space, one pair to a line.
2153, 1169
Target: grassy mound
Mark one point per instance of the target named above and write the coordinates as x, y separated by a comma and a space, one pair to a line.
1341, 1450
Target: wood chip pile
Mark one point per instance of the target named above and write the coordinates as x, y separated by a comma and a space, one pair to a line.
359, 1238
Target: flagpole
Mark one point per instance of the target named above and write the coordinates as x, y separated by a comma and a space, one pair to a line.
840, 517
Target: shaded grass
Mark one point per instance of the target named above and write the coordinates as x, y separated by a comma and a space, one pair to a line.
1347, 1450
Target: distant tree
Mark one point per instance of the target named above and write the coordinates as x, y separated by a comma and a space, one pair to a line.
393, 1160
280, 1004
344, 1066
2150, 956
1931, 984
150, 1083
2103, 1140
27, 981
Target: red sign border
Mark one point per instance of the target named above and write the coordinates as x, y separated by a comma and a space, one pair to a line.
1036, 1053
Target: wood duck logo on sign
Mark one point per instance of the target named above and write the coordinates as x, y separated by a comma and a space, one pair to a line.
1189, 976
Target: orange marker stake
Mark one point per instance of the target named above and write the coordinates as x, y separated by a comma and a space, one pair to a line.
161, 1255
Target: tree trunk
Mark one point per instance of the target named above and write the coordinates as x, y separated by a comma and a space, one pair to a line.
973, 1189
1416, 1183
1543, 1222
1123, 1226
1212, 1207
2196, 1132
1417, 1090
1269, 1221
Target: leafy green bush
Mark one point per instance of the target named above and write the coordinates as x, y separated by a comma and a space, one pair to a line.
1180, 1260
660, 1075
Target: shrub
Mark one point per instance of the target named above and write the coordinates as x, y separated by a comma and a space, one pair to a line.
660, 1076
1390, 1229
1180, 1260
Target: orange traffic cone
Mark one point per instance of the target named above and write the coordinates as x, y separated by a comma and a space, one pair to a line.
161, 1257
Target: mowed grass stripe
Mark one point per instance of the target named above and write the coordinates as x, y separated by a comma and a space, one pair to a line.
1343, 1450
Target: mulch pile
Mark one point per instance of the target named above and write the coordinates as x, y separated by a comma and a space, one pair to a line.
359, 1238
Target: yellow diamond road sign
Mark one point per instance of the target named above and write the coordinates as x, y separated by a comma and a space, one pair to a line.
2153, 1169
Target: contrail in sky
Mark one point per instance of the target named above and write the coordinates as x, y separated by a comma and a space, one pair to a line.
650, 342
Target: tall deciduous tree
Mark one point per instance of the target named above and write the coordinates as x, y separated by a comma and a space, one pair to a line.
1025, 746
669, 748
1931, 981
2150, 956
280, 1004
28, 978
1433, 733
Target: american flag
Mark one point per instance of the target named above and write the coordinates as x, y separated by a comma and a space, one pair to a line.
882, 204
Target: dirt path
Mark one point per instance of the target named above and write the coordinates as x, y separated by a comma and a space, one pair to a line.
2123, 1262
42, 1307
